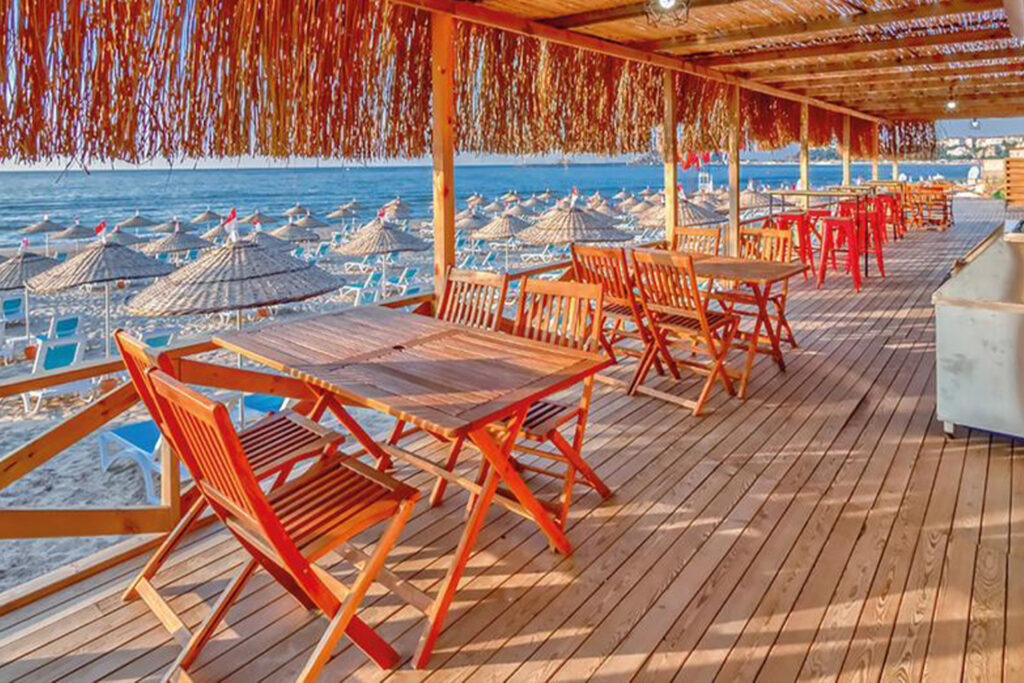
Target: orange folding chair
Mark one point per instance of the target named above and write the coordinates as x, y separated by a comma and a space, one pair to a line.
289, 529
608, 267
679, 317
706, 241
271, 447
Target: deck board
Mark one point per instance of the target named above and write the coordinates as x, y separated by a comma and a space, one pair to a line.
822, 529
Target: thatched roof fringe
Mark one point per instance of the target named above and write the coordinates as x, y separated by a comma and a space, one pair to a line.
916, 139
135, 79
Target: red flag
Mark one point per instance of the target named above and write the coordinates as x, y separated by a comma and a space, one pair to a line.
706, 158
380, 213
101, 227
231, 216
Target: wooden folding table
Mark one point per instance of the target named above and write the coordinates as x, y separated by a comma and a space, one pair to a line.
450, 381
759, 277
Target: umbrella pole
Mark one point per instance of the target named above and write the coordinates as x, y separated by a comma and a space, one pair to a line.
28, 325
106, 318
241, 398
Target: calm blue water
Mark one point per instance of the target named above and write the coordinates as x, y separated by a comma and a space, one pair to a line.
161, 194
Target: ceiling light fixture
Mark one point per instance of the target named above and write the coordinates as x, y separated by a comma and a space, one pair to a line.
951, 105
667, 12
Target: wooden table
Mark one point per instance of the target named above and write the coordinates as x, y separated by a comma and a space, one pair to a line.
448, 380
759, 277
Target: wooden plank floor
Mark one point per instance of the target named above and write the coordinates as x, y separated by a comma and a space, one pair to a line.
824, 529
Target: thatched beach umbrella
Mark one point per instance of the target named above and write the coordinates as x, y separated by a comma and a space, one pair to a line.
353, 205
297, 210
75, 232
268, 241
510, 196
207, 217
125, 239
379, 237
502, 229
237, 275
474, 199
532, 203
342, 212
176, 242
256, 217
621, 195
641, 207
628, 203
137, 220
173, 225
546, 196
16, 271
43, 227
494, 207
471, 222
519, 212
293, 232
101, 263
571, 225
311, 222
397, 208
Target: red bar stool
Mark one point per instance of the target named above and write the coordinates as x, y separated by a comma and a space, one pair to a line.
838, 232
799, 221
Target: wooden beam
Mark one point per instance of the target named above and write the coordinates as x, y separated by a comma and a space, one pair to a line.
896, 154
669, 156
485, 16
805, 29
816, 88
27, 457
836, 69
442, 50
805, 151
66, 522
1014, 11
845, 148
990, 112
630, 10
850, 47
237, 379
910, 104
939, 93
732, 238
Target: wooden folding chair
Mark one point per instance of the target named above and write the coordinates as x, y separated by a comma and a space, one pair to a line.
769, 245
608, 267
679, 317
271, 448
475, 298
290, 528
569, 315
704, 241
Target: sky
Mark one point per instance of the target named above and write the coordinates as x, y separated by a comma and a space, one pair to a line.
950, 128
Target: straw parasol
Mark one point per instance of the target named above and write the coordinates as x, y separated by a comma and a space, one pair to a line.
342, 212
293, 232
471, 222
570, 225
397, 208
297, 210
531, 203
510, 196
353, 205
621, 195
475, 199
520, 212
16, 271
379, 237
494, 207
310, 221
641, 207
236, 275
137, 220
257, 217
628, 203
268, 241
207, 217
466, 213
43, 227
546, 196
123, 238
102, 262
176, 242
75, 232
502, 229
172, 225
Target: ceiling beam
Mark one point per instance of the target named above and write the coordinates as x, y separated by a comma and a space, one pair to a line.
851, 95
778, 76
1015, 90
908, 78
1014, 10
631, 10
850, 47
505, 21
727, 40
933, 103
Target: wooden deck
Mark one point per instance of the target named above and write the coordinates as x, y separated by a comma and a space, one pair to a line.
823, 529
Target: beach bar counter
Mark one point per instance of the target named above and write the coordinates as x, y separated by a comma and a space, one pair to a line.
979, 337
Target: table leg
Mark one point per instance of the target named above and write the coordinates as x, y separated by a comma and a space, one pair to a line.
353, 428
762, 296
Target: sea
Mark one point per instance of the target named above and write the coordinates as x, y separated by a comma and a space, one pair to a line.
161, 194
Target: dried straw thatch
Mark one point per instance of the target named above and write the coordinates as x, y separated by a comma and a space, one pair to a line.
268, 241
258, 217
207, 216
293, 232
137, 220
77, 231
99, 263
43, 226
125, 239
16, 271
176, 242
236, 275
173, 225
500, 229
381, 237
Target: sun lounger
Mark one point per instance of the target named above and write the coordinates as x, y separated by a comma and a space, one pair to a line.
13, 311
61, 327
57, 354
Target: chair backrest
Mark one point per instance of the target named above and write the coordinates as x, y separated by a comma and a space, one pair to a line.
12, 306
201, 432
56, 354
605, 266
698, 240
668, 284
159, 337
139, 359
64, 326
560, 313
766, 244
473, 297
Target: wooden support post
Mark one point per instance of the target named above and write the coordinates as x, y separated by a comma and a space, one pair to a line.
442, 51
669, 155
732, 239
845, 149
874, 151
895, 154
805, 151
